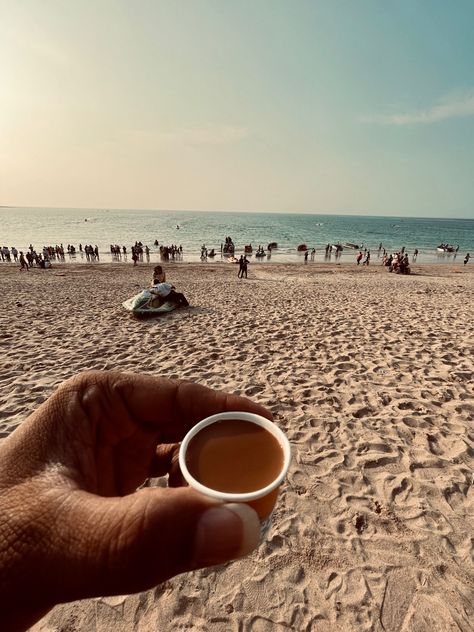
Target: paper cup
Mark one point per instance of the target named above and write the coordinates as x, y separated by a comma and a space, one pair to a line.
261, 499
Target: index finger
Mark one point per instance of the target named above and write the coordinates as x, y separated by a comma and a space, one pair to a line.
175, 406
169, 407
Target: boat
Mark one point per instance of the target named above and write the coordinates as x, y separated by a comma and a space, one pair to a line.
445, 248
260, 253
353, 246
302, 248
272, 245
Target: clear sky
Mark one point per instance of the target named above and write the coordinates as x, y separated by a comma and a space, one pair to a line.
265, 105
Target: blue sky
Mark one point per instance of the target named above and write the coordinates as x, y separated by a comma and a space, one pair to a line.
323, 106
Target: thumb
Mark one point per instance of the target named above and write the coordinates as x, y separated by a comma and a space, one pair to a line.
132, 543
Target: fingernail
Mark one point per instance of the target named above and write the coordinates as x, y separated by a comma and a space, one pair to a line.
225, 533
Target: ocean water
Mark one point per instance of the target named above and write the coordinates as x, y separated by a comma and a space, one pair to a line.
39, 226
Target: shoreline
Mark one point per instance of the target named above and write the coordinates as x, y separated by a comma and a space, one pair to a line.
302, 266
276, 259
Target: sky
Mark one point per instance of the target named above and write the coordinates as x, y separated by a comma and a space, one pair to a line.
324, 106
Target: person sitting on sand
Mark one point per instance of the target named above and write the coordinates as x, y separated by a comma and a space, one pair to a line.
159, 275
75, 520
168, 292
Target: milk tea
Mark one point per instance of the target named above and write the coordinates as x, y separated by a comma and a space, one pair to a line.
234, 456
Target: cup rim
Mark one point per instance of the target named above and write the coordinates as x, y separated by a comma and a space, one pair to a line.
240, 416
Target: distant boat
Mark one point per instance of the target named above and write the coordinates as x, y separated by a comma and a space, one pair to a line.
302, 248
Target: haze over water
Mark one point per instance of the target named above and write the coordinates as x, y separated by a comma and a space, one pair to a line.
21, 226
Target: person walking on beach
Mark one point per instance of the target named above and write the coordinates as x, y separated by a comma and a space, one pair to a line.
466, 258
367, 259
306, 256
359, 257
23, 263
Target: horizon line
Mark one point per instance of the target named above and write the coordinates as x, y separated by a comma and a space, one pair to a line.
200, 210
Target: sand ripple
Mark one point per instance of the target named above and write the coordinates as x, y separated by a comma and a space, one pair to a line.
370, 374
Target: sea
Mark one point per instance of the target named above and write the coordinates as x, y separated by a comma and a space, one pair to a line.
40, 227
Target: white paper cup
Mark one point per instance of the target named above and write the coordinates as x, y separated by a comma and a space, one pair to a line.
262, 500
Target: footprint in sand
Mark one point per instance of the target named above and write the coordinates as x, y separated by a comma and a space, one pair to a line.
399, 489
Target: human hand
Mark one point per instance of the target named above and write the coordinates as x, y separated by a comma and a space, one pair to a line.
72, 522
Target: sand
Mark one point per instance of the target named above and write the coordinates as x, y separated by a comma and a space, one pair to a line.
371, 376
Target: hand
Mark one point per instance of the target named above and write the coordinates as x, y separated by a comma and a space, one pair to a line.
72, 522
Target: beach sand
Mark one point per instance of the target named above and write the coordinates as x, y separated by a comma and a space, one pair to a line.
371, 376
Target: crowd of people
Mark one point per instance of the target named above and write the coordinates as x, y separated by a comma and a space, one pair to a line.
32, 258
171, 252
397, 262
140, 252
48, 254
